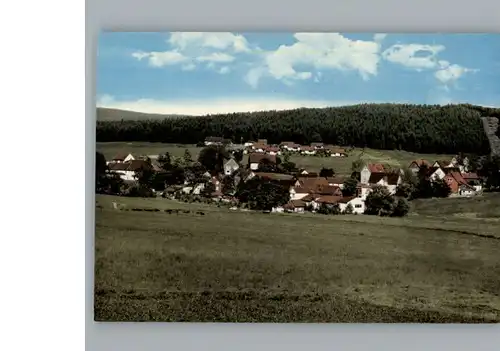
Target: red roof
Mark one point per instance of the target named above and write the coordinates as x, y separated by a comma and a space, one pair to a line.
256, 157
376, 167
470, 176
307, 148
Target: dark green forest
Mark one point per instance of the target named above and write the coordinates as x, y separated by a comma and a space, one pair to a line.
416, 128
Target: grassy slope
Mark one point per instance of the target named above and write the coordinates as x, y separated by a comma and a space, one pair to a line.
253, 267
340, 165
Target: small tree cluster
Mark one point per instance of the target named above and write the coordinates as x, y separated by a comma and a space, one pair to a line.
381, 203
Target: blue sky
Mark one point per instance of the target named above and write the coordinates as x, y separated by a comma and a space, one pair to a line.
199, 73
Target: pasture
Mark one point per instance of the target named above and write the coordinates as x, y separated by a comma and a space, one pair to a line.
341, 165
210, 264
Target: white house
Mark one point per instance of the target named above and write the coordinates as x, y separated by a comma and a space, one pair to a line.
308, 150
128, 170
370, 168
122, 157
357, 203
231, 166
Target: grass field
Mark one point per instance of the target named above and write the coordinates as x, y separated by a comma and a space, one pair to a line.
433, 266
340, 164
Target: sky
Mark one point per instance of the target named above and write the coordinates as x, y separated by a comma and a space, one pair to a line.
199, 73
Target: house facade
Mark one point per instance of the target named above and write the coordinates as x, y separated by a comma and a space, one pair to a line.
230, 167
254, 160
357, 203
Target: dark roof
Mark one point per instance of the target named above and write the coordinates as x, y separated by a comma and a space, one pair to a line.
335, 180
420, 163
376, 177
120, 156
392, 178
275, 176
328, 199
256, 157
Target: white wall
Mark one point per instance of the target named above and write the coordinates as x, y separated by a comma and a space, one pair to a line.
358, 205
254, 166
365, 175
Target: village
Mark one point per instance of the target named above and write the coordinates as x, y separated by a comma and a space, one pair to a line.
308, 191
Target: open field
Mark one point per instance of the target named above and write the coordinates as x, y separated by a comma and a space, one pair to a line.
342, 165
432, 266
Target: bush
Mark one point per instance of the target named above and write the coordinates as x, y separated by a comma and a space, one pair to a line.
401, 209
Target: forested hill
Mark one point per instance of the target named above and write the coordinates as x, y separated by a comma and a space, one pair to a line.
417, 128
111, 114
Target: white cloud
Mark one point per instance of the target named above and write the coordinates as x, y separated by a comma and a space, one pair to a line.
160, 59
224, 70
321, 51
214, 106
451, 73
221, 41
379, 37
189, 67
253, 76
216, 57
406, 55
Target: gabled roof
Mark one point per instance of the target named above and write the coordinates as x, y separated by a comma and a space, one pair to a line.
274, 176
420, 163
256, 157
376, 167
310, 182
375, 178
335, 180
120, 156
328, 199
470, 176
136, 165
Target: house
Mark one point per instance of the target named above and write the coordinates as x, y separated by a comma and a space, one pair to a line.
445, 164
249, 143
272, 150
363, 190
389, 180
458, 185
336, 151
254, 159
258, 147
307, 150
416, 165
295, 206
290, 146
357, 203
370, 168
474, 180
317, 146
230, 166
262, 141
211, 140
336, 181
122, 157
326, 200
432, 173
128, 170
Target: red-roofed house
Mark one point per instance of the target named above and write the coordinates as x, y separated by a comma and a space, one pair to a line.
369, 169
307, 150
416, 165
458, 185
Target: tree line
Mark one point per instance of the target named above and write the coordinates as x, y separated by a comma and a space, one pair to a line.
417, 128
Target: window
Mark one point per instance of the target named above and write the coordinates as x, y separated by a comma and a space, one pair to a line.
357, 206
